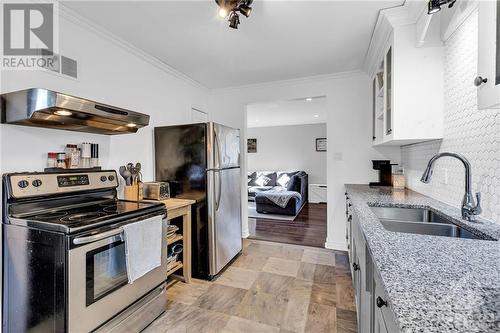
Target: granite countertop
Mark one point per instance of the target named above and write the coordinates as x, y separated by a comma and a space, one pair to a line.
434, 283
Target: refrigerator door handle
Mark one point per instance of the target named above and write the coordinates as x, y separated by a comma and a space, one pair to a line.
218, 189
217, 150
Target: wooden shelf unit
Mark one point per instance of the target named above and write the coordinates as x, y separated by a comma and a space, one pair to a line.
180, 208
178, 265
175, 239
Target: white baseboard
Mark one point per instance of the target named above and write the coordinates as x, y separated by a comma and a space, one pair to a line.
340, 246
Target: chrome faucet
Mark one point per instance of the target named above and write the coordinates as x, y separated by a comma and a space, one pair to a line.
469, 208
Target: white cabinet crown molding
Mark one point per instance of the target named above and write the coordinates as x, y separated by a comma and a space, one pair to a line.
409, 13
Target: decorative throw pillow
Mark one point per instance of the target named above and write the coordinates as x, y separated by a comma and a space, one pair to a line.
271, 175
252, 176
262, 180
284, 178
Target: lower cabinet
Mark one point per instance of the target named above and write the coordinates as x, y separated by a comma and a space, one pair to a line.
362, 271
384, 320
379, 325
348, 232
372, 306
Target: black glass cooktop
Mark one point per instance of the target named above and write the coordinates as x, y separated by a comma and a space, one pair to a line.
87, 216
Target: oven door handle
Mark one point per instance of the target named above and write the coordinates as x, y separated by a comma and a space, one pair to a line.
94, 238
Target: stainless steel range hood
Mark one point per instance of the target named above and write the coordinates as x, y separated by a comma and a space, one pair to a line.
45, 108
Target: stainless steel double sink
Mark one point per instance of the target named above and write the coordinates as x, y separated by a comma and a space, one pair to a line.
419, 221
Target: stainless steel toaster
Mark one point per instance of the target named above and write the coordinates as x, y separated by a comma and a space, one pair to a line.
156, 190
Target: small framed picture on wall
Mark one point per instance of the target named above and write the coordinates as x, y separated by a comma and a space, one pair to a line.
252, 145
321, 144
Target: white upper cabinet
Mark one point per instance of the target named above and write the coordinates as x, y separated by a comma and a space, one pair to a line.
407, 84
488, 79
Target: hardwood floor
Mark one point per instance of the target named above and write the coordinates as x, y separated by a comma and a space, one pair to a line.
271, 287
308, 229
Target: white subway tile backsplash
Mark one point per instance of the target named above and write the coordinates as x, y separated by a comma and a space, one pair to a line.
467, 130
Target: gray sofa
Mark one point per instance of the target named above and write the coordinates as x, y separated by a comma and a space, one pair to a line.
262, 181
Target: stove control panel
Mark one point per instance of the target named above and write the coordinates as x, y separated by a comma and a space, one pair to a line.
76, 180
36, 184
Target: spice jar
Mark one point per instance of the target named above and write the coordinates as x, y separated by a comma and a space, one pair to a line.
61, 160
94, 155
51, 160
72, 156
86, 155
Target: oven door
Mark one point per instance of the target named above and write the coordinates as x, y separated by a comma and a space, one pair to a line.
98, 286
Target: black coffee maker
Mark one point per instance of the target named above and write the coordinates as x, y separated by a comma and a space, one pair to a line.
384, 168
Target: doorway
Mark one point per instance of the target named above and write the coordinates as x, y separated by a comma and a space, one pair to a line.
286, 156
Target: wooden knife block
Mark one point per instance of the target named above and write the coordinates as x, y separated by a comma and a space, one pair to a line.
134, 192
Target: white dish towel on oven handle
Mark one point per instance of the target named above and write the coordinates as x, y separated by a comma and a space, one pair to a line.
143, 242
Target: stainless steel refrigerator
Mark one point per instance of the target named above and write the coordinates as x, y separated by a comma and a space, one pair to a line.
202, 162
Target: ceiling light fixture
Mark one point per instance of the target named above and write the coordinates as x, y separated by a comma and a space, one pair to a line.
231, 8
223, 13
434, 6
131, 125
64, 113
234, 20
316, 116
245, 10
309, 99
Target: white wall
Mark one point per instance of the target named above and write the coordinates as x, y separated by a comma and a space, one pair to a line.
289, 148
467, 130
109, 72
348, 130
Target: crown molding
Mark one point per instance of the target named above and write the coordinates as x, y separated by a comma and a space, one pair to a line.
381, 34
70, 15
281, 83
388, 19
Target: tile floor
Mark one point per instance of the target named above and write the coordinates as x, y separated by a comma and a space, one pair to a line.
271, 287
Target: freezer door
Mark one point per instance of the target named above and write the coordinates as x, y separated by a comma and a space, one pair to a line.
181, 160
223, 147
224, 217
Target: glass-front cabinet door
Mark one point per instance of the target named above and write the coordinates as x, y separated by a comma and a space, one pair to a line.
374, 109
488, 77
388, 92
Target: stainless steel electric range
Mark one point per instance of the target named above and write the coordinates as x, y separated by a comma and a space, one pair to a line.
64, 266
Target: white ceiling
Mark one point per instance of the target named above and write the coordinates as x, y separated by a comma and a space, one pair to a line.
284, 113
280, 40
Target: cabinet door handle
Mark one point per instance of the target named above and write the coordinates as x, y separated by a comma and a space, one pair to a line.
381, 302
479, 81
355, 267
